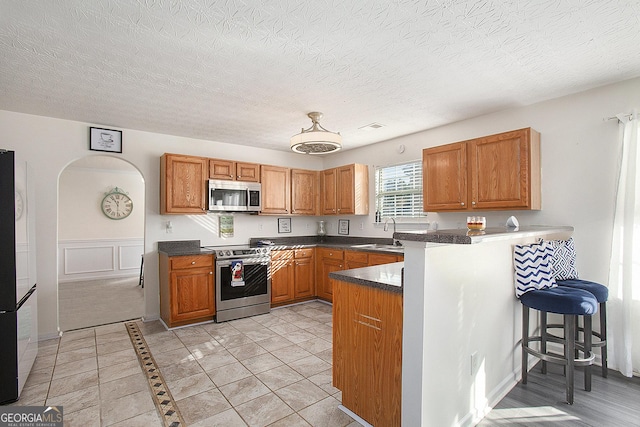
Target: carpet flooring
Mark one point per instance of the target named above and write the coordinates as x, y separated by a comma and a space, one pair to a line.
99, 302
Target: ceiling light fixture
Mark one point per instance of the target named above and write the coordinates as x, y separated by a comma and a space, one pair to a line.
316, 139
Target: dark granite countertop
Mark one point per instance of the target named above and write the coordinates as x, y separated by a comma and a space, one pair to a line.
388, 277
337, 242
465, 237
182, 247
193, 247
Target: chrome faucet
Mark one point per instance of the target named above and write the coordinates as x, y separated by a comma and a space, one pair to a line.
386, 227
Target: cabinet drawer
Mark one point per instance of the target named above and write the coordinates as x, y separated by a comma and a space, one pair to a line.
279, 255
303, 253
378, 259
331, 253
356, 256
190, 261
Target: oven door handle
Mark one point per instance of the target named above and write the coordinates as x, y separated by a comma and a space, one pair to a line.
227, 263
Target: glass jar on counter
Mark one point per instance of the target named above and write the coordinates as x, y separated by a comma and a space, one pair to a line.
476, 222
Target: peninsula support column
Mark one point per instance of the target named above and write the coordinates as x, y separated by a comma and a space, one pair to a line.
413, 336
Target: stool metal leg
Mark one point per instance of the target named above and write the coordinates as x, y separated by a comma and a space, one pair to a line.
543, 339
603, 338
587, 351
569, 350
525, 342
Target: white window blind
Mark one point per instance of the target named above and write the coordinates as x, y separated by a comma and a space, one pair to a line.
399, 191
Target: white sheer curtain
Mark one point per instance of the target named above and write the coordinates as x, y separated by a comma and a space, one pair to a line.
623, 306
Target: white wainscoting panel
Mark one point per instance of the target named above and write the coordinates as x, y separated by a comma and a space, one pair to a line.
130, 256
98, 259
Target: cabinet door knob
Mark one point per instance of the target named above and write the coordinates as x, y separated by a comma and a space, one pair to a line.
211, 272
473, 203
193, 262
462, 204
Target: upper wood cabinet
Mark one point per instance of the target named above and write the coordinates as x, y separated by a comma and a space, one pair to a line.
235, 171
496, 172
328, 185
305, 192
444, 177
345, 190
276, 190
182, 184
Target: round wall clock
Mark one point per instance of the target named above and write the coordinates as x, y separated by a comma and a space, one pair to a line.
117, 205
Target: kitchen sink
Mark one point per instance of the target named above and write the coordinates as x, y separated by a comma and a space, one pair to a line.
379, 246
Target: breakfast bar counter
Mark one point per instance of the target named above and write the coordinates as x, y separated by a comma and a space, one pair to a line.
386, 276
461, 321
465, 237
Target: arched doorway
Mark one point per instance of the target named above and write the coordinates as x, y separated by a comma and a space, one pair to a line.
100, 244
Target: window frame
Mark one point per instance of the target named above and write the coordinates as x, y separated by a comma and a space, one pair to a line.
415, 192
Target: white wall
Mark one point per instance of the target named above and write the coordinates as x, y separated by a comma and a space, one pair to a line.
81, 192
579, 165
459, 301
50, 144
579, 153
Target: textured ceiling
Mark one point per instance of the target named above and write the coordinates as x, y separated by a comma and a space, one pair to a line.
248, 71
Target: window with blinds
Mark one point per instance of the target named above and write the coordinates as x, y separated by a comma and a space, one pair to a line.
399, 191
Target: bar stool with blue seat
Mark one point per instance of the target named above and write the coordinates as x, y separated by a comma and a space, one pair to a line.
536, 288
569, 302
566, 274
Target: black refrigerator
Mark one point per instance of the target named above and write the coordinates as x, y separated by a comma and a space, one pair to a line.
18, 297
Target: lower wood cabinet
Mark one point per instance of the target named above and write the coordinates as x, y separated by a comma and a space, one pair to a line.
282, 279
304, 273
378, 259
355, 259
367, 351
186, 289
292, 275
329, 260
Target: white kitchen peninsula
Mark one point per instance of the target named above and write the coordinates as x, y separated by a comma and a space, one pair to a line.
461, 322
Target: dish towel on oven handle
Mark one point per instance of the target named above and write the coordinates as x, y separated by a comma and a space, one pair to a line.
237, 273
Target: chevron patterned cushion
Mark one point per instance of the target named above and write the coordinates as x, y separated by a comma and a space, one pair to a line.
564, 259
533, 268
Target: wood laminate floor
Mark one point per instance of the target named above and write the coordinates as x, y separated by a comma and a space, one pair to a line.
613, 401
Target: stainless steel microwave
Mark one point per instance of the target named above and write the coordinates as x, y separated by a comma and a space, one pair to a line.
234, 196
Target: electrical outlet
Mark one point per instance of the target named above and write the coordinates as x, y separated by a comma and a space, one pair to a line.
308, 226
362, 226
260, 226
475, 360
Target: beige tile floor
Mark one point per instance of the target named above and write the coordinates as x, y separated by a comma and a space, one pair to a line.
267, 370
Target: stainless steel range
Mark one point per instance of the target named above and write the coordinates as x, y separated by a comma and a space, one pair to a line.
243, 282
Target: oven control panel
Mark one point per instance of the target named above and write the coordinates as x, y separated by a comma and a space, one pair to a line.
239, 252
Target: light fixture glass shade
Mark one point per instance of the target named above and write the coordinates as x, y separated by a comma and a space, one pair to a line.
316, 139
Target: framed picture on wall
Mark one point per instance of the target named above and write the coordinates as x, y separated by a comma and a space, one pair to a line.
284, 225
343, 226
105, 140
